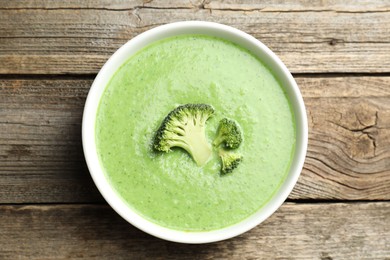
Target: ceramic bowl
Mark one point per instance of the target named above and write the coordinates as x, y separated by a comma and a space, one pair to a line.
193, 27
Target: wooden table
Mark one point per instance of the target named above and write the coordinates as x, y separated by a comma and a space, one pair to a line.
339, 53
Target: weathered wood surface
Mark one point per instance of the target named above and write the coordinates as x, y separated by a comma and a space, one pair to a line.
77, 37
248, 5
41, 159
349, 139
295, 231
104, 4
340, 53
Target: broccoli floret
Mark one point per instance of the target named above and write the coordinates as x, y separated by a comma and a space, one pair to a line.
184, 127
229, 133
230, 160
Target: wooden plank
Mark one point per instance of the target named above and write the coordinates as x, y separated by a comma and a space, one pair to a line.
300, 5
101, 4
248, 5
51, 37
295, 231
349, 138
41, 159
348, 155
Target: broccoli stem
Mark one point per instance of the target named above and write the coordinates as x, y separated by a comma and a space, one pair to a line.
201, 152
196, 145
219, 139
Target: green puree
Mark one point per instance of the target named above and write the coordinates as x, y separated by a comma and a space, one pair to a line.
169, 188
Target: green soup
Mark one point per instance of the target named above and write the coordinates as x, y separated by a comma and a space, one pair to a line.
169, 188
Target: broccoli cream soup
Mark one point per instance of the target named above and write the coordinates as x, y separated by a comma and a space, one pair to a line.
170, 188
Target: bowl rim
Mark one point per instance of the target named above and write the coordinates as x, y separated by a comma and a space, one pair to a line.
245, 40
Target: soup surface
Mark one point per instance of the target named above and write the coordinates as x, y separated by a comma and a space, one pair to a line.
169, 188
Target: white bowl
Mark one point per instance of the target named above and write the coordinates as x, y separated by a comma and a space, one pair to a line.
193, 27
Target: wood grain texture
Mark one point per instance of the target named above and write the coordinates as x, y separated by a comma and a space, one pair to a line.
101, 4
349, 139
295, 231
41, 158
62, 37
61, 215
301, 5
